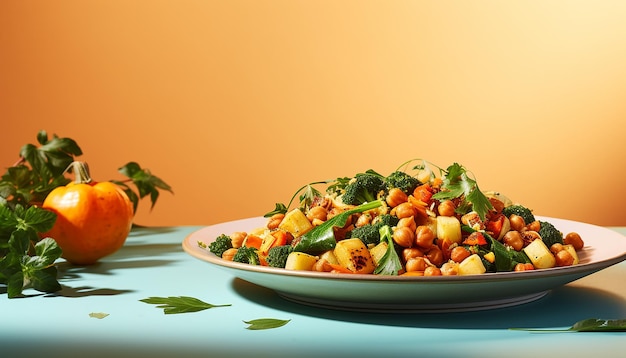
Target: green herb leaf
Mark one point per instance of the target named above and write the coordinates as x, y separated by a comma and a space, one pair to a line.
390, 263
279, 209
586, 325
98, 315
265, 323
145, 182
322, 237
180, 304
457, 184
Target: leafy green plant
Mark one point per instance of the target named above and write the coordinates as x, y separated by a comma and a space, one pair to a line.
25, 259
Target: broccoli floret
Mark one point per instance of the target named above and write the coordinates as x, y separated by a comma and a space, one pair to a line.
221, 244
364, 188
370, 234
519, 210
246, 255
367, 233
402, 181
385, 219
549, 234
277, 255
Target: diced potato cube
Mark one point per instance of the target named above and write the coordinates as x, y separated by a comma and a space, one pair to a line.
329, 256
472, 265
296, 223
449, 228
354, 255
300, 261
572, 251
539, 254
377, 252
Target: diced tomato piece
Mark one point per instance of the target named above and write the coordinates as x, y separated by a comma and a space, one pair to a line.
424, 193
475, 238
495, 224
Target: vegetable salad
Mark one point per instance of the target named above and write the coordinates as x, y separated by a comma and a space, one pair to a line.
419, 220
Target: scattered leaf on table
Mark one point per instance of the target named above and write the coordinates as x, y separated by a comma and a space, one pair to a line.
587, 325
98, 315
265, 323
180, 304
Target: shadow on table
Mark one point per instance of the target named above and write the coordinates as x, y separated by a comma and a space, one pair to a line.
85, 291
561, 307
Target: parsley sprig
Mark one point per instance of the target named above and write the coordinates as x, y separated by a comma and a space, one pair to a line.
25, 259
180, 304
457, 184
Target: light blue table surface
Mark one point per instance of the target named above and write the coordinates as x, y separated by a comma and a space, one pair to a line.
152, 263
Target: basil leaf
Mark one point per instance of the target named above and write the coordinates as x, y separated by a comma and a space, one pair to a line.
180, 304
265, 323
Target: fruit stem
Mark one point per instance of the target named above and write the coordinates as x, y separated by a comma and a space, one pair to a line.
81, 172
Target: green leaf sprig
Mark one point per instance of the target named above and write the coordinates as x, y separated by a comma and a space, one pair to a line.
25, 260
186, 304
265, 323
586, 325
458, 184
180, 304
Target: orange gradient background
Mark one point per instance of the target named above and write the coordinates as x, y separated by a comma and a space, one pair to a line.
236, 104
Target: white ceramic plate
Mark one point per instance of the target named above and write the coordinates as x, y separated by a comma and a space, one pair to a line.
603, 248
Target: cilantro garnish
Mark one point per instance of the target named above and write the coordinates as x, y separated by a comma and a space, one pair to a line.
458, 184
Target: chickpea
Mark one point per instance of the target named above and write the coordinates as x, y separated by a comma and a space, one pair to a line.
237, 239
534, 226
517, 222
416, 264
556, 248
523, 267
432, 271
435, 255
459, 254
403, 236
363, 220
317, 212
575, 240
411, 252
514, 240
407, 222
322, 265
405, 210
274, 221
564, 258
529, 236
396, 197
450, 269
229, 254
424, 236
446, 208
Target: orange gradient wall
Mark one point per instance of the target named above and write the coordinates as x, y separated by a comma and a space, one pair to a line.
236, 104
